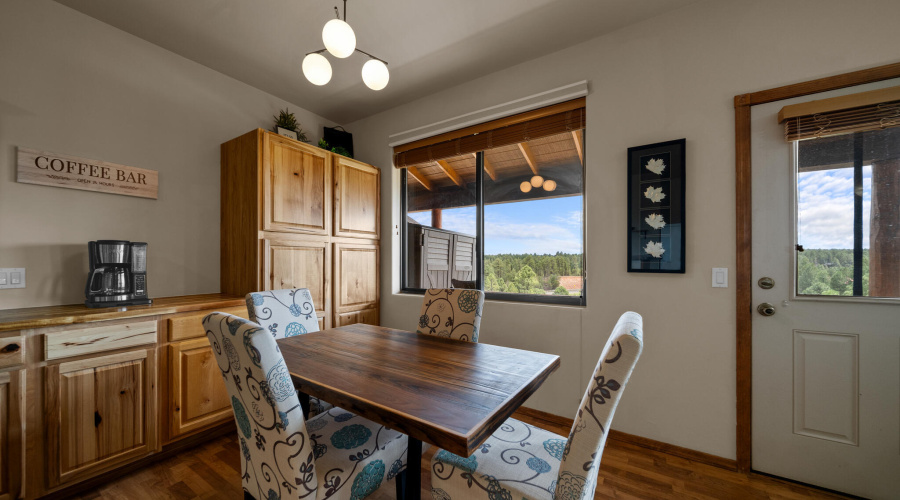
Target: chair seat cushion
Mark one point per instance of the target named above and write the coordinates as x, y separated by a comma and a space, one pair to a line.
518, 461
353, 456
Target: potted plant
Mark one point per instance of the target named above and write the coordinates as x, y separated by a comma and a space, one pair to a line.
286, 124
341, 150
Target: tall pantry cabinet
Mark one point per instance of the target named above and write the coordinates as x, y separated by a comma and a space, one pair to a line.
296, 216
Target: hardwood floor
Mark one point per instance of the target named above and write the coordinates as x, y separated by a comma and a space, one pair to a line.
627, 471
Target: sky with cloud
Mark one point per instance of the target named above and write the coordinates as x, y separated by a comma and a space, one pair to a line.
537, 226
825, 208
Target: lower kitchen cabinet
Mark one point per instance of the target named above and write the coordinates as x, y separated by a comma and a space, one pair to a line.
11, 433
198, 398
99, 412
368, 316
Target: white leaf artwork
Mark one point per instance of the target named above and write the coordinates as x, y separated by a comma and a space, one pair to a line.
655, 221
655, 249
656, 165
654, 194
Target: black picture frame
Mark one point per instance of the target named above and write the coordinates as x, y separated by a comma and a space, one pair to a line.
656, 218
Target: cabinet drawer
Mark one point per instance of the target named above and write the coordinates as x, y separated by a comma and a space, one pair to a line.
12, 352
98, 339
190, 326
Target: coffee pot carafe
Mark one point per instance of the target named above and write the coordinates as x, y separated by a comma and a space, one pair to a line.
118, 274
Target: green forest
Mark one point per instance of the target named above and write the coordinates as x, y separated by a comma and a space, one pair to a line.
530, 273
829, 272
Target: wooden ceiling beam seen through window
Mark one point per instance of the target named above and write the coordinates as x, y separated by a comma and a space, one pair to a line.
488, 167
451, 173
414, 172
576, 136
529, 156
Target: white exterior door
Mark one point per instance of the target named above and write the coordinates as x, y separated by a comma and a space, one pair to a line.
826, 369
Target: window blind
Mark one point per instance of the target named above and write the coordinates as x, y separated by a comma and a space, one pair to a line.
873, 110
552, 120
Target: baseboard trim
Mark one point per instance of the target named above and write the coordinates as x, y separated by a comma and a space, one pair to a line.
641, 442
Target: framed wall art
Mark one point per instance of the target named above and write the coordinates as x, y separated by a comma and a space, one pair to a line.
656, 208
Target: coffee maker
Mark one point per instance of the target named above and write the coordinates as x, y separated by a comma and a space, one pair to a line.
118, 274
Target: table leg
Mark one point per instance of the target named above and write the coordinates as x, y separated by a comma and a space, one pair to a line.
413, 479
304, 404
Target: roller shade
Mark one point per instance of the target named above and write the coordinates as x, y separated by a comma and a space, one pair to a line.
873, 110
557, 119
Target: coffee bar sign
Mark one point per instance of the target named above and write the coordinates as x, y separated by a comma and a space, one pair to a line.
51, 169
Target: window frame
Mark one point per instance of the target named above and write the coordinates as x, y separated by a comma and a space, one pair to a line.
479, 243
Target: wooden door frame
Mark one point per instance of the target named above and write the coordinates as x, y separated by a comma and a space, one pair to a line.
743, 207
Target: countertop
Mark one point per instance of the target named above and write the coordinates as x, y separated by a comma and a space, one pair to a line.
42, 317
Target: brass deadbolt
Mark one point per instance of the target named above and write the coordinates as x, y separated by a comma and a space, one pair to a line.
766, 283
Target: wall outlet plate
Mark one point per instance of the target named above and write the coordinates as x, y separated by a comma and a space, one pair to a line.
12, 277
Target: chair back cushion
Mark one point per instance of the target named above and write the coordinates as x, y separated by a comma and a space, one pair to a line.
276, 454
284, 313
452, 313
581, 455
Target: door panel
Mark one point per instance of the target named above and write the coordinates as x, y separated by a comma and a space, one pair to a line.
826, 370
463, 258
297, 187
438, 257
100, 412
356, 199
196, 389
11, 434
356, 277
300, 263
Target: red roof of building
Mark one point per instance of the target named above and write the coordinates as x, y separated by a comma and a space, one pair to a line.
571, 283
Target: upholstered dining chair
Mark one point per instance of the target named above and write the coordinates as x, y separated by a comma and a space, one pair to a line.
335, 455
523, 461
285, 313
451, 312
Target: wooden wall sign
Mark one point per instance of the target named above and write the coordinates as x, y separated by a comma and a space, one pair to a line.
51, 169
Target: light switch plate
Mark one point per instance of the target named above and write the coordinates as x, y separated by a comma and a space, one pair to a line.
720, 277
14, 277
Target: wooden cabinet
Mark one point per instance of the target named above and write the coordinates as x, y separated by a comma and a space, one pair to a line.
296, 185
198, 398
296, 216
294, 262
11, 433
99, 412
356, 280
356, 199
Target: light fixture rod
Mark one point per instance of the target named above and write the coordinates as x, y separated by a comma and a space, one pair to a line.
357, 50
338, 12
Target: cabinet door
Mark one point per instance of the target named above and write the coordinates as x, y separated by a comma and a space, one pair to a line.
357, 189
99, 413
197, 395
296, 186
11, 433
301, 263
356, 274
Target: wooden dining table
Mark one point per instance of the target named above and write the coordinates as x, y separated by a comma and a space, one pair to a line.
449, 393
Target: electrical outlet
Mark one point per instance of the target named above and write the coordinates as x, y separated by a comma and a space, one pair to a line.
12, 277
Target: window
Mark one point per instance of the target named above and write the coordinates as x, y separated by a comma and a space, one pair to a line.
507, 219
847, 159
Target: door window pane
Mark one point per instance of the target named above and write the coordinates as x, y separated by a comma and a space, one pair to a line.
848, 215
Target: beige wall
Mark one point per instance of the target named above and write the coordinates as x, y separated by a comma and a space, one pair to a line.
666, 78
70, 84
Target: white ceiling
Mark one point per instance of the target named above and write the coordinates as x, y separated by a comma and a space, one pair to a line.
429, 45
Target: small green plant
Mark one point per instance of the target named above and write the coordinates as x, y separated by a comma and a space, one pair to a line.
287, 120
560, 290
341, 150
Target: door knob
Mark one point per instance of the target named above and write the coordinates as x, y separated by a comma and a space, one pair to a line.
766, 309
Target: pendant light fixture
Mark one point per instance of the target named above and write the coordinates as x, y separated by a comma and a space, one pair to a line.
340, 41
536, 182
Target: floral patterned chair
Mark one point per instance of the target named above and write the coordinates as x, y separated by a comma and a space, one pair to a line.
451, 312
286, 313
335, 455
522, 461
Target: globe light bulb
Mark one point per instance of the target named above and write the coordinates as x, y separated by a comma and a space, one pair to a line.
375, 74
549, 185
537, 180
317, 69
339, 38
525, 186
